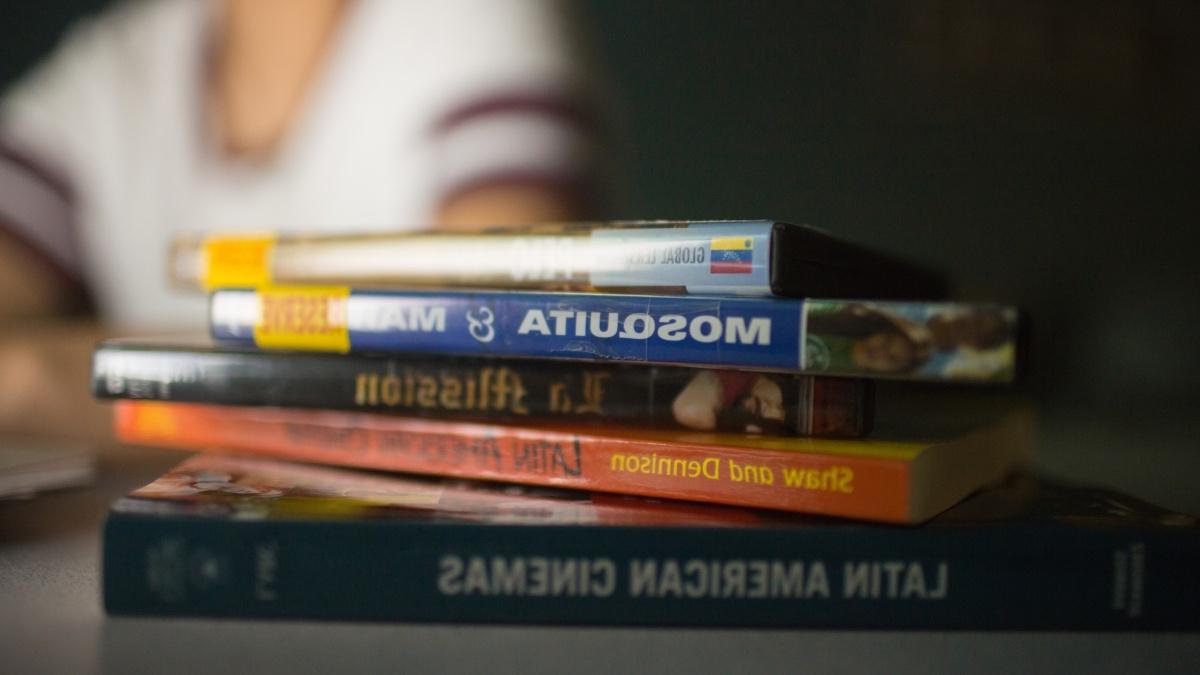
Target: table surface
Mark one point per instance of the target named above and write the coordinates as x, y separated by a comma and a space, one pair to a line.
51, 619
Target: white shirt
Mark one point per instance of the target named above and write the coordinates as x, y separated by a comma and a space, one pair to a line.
109, 152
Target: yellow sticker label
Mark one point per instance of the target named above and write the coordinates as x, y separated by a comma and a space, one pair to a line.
303, 317
732, 243
237, 262
154, 419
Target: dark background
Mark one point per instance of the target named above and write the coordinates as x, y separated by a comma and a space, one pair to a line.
1044, 154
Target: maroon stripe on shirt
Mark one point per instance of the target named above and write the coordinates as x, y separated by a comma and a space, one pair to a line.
79, 298
39, 169
579, 192
567, 110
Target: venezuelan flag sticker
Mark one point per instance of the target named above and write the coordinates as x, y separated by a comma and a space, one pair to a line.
731, 255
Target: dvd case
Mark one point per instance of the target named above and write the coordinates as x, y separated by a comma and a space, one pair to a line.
756, 257
504, 390
940, 341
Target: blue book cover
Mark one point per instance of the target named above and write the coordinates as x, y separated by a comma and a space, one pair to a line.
227, 536
885, 339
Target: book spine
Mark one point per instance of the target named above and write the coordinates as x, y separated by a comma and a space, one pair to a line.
865, 487
717, 257
748, 258
951, 578
491, 389
923, 341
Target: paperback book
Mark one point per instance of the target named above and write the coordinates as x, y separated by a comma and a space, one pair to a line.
506, 390
756, 257
30, 466
238, 537
896, 481
938, 341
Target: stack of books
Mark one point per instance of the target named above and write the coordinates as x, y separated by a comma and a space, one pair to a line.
662, 423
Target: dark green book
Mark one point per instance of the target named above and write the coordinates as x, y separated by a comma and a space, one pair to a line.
225, 536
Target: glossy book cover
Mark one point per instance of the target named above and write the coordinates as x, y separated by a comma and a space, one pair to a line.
898, 481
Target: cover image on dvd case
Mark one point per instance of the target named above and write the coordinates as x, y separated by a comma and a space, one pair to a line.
919, 340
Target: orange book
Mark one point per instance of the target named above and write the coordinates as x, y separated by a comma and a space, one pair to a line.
888, 481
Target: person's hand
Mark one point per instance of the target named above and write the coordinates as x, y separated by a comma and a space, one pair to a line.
44, 377
506, 204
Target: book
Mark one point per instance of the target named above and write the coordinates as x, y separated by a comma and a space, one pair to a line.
896, 481
237, 537
756, 257
505, 390
29, 466
878, 339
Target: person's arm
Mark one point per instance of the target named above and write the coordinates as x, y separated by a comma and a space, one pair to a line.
29, 287
46, 342
45, 354
507, 205
46, 369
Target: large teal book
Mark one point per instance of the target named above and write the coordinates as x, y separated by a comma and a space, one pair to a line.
235, 537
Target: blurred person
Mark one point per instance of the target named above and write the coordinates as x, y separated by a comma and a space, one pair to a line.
169, 116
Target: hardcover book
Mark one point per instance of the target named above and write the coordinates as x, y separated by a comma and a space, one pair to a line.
755, 257
938, 341
507, 390
237, 537
881, 480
